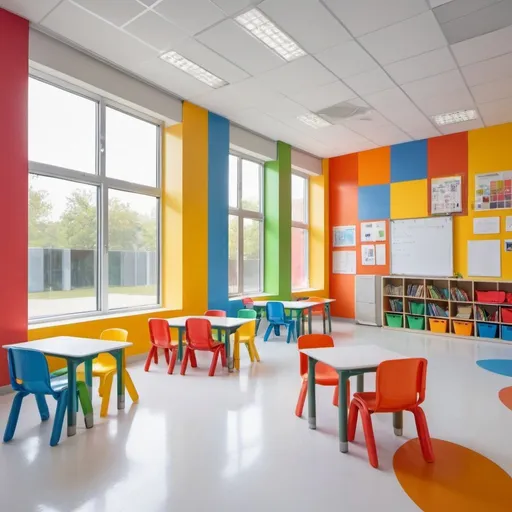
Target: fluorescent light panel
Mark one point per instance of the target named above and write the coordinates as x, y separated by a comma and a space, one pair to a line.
314, 121
193, 69
460, 116
257, 24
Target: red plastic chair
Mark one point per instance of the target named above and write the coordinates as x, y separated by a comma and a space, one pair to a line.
215, 312
324, 375
400, 386
199, 337
248, 303
160, 335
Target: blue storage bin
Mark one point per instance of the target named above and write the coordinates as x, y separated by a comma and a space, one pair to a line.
506, 332
487, 330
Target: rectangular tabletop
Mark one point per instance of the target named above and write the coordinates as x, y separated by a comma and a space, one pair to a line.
353, 357
217, 322
70, 346
293, 304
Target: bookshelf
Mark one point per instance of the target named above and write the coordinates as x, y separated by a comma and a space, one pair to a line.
450, 307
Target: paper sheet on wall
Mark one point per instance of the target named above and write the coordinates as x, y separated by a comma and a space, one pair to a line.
486, 225
493, 191
380, 254
446, 195
344, 262
484, 258
368, 254
373, 231
508, 224
344, 236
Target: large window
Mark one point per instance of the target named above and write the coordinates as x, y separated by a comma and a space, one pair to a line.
245, 226
94, 202
300, 233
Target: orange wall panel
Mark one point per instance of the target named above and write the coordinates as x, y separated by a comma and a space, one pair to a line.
375, 167
342, 288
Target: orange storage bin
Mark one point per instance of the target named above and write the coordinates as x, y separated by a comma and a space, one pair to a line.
438, 324
463, 328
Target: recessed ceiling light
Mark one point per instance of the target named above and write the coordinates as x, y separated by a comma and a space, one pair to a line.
257, 24
314, 121
460, 116
193, 69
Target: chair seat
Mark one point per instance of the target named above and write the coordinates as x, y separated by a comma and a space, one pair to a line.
324, 375
59, 384
368, 397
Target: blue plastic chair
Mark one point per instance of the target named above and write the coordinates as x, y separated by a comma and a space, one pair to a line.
276, 318
29, 374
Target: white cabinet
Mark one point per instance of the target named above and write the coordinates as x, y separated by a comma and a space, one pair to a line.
368, 300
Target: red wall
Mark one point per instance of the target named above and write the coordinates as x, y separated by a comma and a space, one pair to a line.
14, 182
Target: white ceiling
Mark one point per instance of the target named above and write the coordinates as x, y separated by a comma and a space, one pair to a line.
390, 55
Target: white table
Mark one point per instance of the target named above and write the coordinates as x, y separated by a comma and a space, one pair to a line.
355, 360
76, 351
227, 325
299, 306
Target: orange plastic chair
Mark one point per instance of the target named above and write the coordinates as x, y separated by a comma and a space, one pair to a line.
400, 386
160, 336
198, 333
324, 375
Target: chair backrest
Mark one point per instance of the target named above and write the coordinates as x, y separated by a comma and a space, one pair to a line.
400, 384
312, 341
28, 370
319, 308
248, 303
248, 329
198, 332
215, 312
275, 312
111, 335
159, 332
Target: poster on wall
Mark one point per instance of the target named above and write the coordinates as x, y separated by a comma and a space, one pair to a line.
344, 236
344, 262
373, 231
493, 191
368, 254
380, 254
446, 195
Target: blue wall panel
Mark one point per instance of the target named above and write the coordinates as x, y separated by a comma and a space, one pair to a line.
409, 161
373, 202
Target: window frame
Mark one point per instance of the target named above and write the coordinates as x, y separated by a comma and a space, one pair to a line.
242, 214
305, 227
103, 183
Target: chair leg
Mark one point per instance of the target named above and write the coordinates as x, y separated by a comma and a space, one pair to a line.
302, 398
250, 351
268, 332
85, 402
184, 363
150, 357
215, 358
193, 359
369, 438
236, 353
43, 407
335, 398
155, 355
166, 354
13, 416
130, 387
254, 351
423, 434
352, 421
172, 363
223, 358
62, 403
107, 387
100, 387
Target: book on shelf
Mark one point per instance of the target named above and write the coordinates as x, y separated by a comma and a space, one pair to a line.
396, 305
484, 315
415, 290
436, 310
390, 289
464, 312
459, 295
437, 293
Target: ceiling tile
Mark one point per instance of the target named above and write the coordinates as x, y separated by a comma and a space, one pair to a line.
200, 54
460, 8
234, 6
435, 3
297, 76
369, 82
447, 102
435, 85
324, 33
98, 36
483, 47
365, 16
155, 31
496, 112
492, 91
149, 3
422, 66
488, 70
377, 129
423, 133
33, 11
461, 127
117, 12
238, 46
405, 39
323, 96
190, 15
347, 59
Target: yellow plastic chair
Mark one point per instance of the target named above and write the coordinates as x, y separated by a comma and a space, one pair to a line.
105, 367
246, 334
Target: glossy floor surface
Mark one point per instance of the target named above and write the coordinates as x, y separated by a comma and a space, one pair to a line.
232, 442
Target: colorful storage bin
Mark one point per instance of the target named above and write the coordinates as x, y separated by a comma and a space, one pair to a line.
506, 315
463, 328
417, 308
485, 330
416, 322
490, 297
506, 332
438, 324
394, 320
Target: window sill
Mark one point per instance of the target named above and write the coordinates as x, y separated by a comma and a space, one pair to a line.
307, 290
240, 297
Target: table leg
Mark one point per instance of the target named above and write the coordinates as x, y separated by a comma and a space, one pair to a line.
342, 410
310, 320
311, 393
360, 383
299, 322
227, 342
398, 423
180, 343
72, 391
119, 355
328, 308
88, 375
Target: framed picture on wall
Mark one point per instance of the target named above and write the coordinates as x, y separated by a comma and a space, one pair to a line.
344, 236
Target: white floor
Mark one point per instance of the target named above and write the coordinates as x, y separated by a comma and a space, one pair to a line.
233, 442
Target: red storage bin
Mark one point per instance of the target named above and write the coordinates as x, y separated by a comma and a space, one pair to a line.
506, 315
490, 296
509, 298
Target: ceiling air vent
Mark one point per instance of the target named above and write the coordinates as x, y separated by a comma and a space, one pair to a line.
346, 110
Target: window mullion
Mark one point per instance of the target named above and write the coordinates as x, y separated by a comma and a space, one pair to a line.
240, 254
103, 213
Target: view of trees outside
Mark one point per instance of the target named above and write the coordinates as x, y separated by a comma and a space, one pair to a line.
300, 277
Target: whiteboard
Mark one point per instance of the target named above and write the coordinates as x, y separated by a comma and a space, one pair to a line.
422, 247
